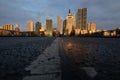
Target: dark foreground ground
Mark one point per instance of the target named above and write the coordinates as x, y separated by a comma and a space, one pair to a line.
81, 58
90, 58
16, 53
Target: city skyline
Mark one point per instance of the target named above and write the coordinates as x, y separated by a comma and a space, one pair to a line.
104, 13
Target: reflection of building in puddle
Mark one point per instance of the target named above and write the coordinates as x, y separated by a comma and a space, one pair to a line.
75, 48
69, 45
77, 52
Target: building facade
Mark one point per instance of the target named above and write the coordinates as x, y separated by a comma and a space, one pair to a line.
70, 23
91, 27
17, 30
37, 28
59, 24
64, 27
81, 19
8, 27
30, 26
49, 27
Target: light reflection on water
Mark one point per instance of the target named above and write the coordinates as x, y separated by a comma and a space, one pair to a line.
78, 52
100, 55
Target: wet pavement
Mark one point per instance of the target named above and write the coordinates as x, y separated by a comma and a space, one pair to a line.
90, 58
47, 65
66, 58
17, 53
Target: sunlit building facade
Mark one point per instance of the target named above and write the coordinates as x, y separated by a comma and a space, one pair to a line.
42, 28
42, 31
49, 27
91, 27
59, 24
77, 32
108, 33
17, 30
83, 32
70, 23
17, 27
81, 19
30, 26
8, 27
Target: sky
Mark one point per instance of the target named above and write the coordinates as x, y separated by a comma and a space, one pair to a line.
104, 12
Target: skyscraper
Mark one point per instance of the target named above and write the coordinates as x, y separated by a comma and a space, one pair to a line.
70, 23
59, 24
49, 27
81, 19
64, 27
37, 28
30, 26
17, 30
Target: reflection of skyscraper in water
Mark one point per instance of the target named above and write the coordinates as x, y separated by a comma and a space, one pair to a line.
49, 27
70, 23
59, 24
30, 26
81, 19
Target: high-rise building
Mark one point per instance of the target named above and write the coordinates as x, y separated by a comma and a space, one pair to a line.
30, 26
37, 27
59, 24
49, 27
17, 30
64, 26
91, 27
81, 19
8, 27
70, 23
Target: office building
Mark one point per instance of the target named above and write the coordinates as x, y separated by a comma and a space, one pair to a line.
81, 19
30, 26
17, 30
70, 23
59, 24
37, 28
42, 29
64, 26
49, 27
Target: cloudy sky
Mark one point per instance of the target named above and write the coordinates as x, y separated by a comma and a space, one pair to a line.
106, 13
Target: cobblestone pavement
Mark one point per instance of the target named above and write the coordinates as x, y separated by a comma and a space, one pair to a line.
47, 65
90, 58
71, 58
17, 53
